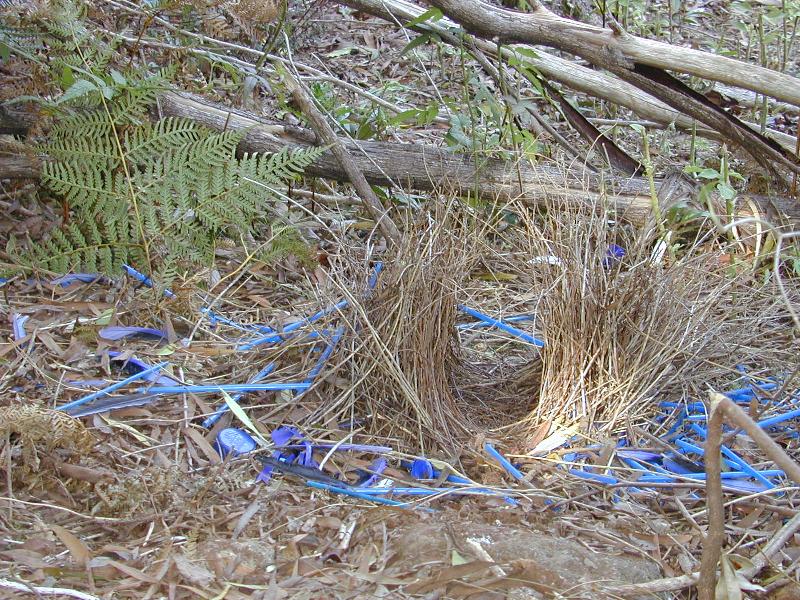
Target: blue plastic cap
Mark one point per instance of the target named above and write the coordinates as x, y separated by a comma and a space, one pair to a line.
422, 469
236, 441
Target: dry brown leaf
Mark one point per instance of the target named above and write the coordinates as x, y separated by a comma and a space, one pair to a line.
26, 558
68, 470
79, 551
192, 571
448, 575
202, 443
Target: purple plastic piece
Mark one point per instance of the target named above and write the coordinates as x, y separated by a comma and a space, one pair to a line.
18, 325
376, 470
118, 332
157, 378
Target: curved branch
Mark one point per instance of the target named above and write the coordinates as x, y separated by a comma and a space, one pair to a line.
548, 29
612, 50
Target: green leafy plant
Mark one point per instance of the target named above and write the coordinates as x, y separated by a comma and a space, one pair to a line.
159, 195
146, 192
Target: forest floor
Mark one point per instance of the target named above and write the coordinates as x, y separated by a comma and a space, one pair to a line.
135, 500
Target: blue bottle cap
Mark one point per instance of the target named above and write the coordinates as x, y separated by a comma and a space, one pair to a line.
422, 469
236, 441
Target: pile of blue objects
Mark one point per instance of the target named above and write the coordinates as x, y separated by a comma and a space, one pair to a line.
680, 456
292, 453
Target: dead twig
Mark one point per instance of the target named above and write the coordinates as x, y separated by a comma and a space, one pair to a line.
712, 546
328, 137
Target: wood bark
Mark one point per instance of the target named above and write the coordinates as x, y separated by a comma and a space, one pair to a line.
570, 73
430, 168
615, 47
642, 63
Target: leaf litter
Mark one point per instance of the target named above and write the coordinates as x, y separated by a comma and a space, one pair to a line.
587, 448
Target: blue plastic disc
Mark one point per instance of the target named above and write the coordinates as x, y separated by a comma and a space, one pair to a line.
236, 441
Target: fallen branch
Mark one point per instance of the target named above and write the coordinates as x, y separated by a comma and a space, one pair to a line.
575, 76
424, 167
327, 136
642, 63
712, 545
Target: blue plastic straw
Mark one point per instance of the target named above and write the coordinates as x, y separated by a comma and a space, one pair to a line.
439, 491
512, 319
595, 476
144, 279
112, 387
215, 318
502, 326
291, 327
337, 335
359, 494
503, 461
232, 387
212, 419
779, 418
736, 459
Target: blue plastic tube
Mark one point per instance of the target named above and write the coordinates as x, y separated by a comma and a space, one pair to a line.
215, 318
231, 387
312, 375
291, 327
144, 279
360, 494
112, 387
595, 476
503, 461
736, 459
212, 419
440, 491
779, 418
512, 319
502, 326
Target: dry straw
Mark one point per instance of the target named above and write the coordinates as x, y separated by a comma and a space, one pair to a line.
622, 334
405, 358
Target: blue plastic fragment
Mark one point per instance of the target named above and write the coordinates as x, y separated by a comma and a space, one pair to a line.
234, 441
421, 469
594, 476
511, 319
105, 391
134, 365
337, 335
502, 326
231, 387
18, 326
373, 278
144, 279
281, 336
764, 423
613, 255
375, 473
358, 493
212, 419
503, 461
118, 332
67, 280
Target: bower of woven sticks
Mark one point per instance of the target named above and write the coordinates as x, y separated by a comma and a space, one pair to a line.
621, 333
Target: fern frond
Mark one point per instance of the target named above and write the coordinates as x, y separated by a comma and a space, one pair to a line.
147, 143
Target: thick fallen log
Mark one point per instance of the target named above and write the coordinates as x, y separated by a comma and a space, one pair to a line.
643, 63
570, 73
428, 168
